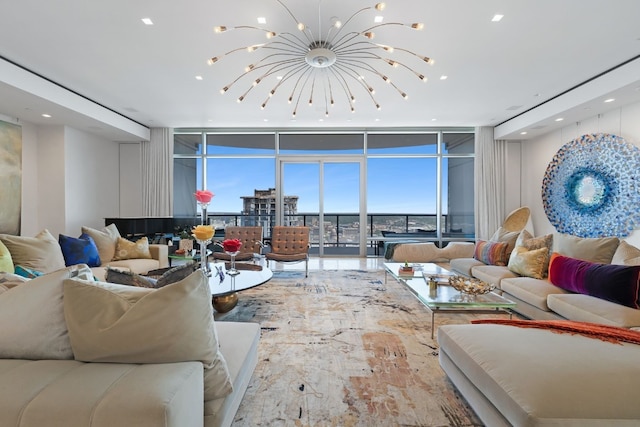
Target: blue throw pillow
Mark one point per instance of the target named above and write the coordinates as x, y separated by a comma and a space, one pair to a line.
29, 273
82, 250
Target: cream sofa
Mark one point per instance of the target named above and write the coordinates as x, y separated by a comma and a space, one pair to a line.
539, 299
43, 253
514, 376
81, 352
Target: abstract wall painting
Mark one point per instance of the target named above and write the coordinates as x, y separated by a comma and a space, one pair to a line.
591, 187
10, 178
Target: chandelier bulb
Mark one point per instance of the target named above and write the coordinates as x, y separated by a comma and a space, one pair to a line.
310, 102
422, 77
273, 91
213, 60
405, 96
294, 114
386, 79
332, 102
372, 90
369, 34
417, 26
353, 110
378, 107
220, 29
263, 105
380, 6
326, 113
224, 89
240, 99
301, 26
256, 82
270, 34
290, 100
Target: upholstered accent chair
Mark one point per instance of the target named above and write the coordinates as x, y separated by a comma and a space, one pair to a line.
290, 244
251, 238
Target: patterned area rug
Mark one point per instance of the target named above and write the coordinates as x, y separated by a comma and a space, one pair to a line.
342, 348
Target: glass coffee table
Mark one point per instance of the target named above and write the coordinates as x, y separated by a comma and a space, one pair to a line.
225, 287
443, 298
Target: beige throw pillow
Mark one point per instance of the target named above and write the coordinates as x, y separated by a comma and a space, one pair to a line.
41, 253
598, 250
531, 255
626, 254
32, 317
505, 236
126, 249
105, 240
125, 324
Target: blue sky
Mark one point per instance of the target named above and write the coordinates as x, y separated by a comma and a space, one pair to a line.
396, 185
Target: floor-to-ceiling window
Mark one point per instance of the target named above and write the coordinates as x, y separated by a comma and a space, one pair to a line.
349, 187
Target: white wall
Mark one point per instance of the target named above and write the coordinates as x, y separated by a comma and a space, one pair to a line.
70, 178
91, 180
537, 153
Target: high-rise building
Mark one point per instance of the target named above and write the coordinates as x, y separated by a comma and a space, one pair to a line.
260, 209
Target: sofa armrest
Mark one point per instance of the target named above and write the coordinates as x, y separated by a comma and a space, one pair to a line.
160, 253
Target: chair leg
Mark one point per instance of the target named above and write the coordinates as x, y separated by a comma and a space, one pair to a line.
306, 268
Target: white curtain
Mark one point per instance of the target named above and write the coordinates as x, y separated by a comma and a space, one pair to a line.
157, 174
489, 182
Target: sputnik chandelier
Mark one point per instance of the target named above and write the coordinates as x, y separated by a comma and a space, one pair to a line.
317, 64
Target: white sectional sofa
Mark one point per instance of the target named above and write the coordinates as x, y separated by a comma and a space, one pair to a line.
76, 352
538, 298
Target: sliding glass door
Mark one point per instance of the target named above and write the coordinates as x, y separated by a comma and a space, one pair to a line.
325, 195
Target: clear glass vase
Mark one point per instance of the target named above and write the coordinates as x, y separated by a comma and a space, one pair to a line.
232, 271
204, 261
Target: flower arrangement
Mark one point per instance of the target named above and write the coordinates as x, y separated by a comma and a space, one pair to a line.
231, 245
203, 232
203, 196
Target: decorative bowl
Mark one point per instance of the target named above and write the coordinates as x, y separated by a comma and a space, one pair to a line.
470, 286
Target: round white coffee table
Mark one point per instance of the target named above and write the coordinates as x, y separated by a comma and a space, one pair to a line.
225, 288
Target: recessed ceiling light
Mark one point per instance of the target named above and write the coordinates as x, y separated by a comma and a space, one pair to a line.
523, 133
198, 77
262, 20
433, 120
443, 77
266, 120
147, 21
609, 100
559, 119
497, 18
378, 19
48, 116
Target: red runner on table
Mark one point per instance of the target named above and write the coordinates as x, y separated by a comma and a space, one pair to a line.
607, 333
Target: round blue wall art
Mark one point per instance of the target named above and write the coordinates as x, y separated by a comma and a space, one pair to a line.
592, 187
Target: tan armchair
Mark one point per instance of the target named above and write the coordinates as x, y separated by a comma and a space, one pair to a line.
290, 244
251, 238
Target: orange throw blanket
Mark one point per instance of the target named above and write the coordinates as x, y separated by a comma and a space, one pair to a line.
611, 334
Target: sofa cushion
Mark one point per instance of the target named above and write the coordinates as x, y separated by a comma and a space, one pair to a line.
41, 253
125, 324
585, 308
6, 262
492, 253
464, 265
82, 250
10, 280
599, 250
105, 239
615, 283
530, 290
626, 254
33, 317
492, 273
126, 249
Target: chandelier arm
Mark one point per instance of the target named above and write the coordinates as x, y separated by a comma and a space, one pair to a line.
354, 75
345, 39
345, 86
291, 44
215, 59
313, 86
308, 72
365, 66
388, 61
347, 22
298, 23
290, 73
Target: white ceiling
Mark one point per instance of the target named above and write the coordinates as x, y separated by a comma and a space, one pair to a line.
496, 70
